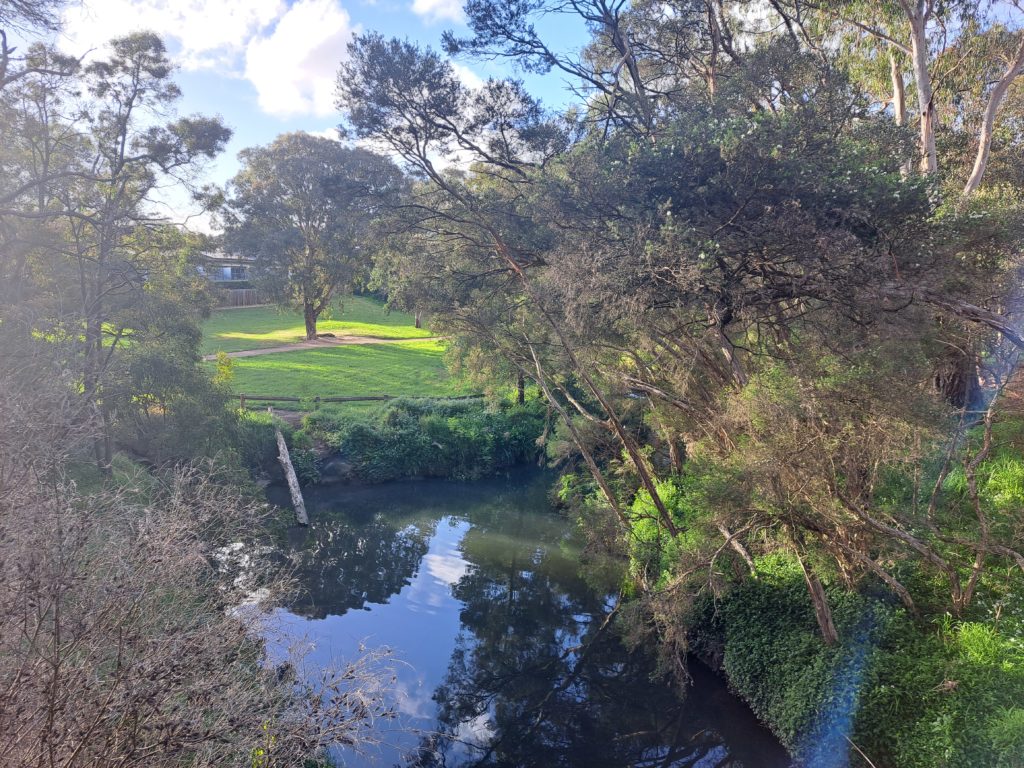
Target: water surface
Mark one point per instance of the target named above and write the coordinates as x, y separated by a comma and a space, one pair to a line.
505, 655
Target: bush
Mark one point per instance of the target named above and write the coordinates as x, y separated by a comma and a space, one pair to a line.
689, 497
255, 441
775, 658
431, 438
946, 698
140, 650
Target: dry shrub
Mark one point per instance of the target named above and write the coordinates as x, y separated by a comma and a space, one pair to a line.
120, 644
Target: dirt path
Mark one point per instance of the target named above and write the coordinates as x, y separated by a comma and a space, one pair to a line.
338, 341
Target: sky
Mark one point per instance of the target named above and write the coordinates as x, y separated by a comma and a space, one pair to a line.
268, 66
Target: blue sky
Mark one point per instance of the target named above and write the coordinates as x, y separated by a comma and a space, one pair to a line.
268, 66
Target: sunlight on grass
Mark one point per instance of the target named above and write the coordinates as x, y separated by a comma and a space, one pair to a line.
411, 368
233, 330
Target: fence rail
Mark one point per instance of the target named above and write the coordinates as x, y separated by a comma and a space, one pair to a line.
317, 401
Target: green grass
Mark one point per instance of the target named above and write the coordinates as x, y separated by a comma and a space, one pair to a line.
410, 368
234, 330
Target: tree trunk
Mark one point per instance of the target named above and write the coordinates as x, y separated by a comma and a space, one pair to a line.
988, 120
899, 101
822, 611
899, 94
520, 388
91, 374
309, 315
108, 441
542, 441
675, 456
956, 379
503, 251
418, 318
923, 81
738, 548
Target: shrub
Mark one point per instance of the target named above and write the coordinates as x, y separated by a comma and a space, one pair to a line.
133, 656
431, 438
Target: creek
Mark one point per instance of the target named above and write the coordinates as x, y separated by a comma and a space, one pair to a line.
496, 621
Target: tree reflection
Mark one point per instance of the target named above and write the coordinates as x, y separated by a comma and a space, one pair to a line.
343, 565
539, 677
366, 543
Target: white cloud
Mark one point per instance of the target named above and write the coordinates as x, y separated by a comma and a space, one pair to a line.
289, 53
293, 67
326, 133
446, 568
469, 78
477, 732
438, 10
207, 33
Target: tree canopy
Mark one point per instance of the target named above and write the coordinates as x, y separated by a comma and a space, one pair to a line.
724, 272
303, 209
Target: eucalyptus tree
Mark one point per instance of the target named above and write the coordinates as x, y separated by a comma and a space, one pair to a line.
32, 16
90, 146
303, 209
130, 152
609, 70
42, 151
728, 252
962, 57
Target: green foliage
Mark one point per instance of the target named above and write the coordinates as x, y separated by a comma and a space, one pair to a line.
225, 370
255, 441
431, 438
690, 497
773, 652
303, 208
1001, 476
303, 457
653, 553
945, 698
168, 406
256, 445
1006, 731
941, 697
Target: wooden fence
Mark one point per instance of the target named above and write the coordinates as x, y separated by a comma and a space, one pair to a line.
239, 297
244, 399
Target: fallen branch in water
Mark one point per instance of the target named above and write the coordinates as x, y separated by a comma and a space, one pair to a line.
293, 481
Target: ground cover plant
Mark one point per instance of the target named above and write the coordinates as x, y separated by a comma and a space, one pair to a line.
233, 330
907, 692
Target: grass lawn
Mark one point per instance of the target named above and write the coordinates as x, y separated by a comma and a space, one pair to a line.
233, 330
411, 368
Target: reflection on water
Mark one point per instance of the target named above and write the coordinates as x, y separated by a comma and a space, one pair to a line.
507, 657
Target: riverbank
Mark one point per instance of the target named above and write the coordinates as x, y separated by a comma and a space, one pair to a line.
915, 691
897, 690
406, 438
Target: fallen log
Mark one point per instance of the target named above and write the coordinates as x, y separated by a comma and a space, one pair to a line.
293, 480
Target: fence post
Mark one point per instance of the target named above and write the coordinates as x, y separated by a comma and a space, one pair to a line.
241, 402
316, 403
